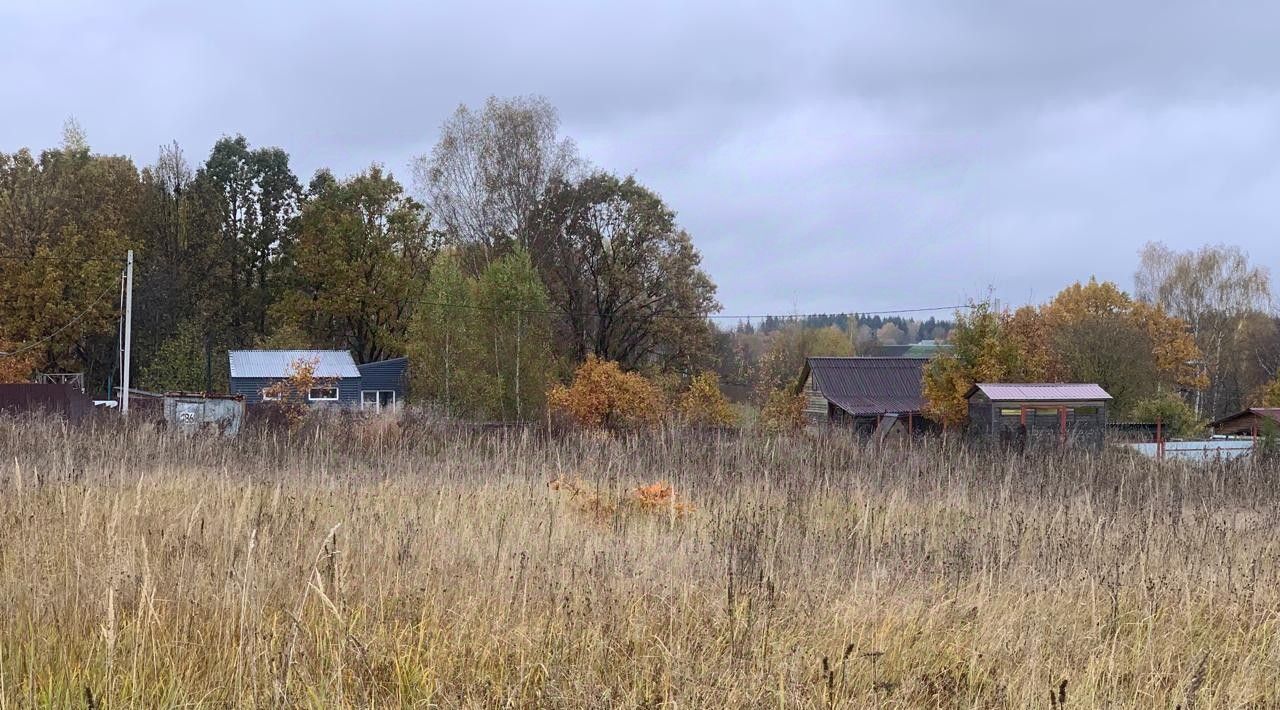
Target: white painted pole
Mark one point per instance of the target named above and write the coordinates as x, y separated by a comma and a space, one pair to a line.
128, 333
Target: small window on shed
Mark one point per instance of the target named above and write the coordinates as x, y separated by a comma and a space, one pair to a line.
323, 394
1087, 411
1007, 412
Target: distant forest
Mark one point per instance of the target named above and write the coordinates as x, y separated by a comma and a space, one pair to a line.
913, 330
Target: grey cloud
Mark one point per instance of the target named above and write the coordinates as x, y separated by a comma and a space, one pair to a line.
826, 156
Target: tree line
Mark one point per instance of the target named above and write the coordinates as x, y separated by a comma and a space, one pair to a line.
509, 260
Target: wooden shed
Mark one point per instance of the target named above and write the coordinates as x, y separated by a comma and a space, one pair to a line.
1251, 422
1039, 415
871, 395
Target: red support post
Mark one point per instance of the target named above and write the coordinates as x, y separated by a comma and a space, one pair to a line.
1062, 426
1159, 438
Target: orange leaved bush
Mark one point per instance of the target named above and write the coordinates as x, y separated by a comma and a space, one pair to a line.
290, 395
14, 368
660, 496
600, 505
603, 396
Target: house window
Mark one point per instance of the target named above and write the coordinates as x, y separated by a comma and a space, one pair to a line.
377, 399
323, 394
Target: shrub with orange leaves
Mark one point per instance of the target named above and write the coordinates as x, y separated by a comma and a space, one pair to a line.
290, 395
600, 505
14, 368
660, 496
603, 396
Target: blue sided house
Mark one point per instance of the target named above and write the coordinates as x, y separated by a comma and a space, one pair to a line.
383, 383
372, 386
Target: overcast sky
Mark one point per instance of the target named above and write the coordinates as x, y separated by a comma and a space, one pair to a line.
826, 157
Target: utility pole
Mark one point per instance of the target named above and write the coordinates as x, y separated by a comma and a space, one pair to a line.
128, 333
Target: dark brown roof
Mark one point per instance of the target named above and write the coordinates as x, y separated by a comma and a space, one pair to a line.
869, 385
1240, 421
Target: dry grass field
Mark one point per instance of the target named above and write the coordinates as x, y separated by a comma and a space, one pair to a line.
370, 566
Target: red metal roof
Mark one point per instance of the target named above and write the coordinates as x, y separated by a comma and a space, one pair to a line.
1039, 392
870, 385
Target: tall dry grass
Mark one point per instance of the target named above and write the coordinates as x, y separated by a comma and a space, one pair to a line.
385, 566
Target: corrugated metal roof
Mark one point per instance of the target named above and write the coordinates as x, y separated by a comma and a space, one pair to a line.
279, 363
1039, 392
389, 361
870, 385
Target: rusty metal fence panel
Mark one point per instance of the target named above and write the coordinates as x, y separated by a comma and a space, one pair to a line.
190, 414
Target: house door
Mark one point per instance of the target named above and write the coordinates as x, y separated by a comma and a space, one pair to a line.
377, 399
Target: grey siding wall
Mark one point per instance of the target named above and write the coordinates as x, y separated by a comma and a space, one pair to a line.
384, 375
979, 416
251, 389
1039, 425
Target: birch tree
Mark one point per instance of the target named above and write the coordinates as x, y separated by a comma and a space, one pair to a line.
1215, 290
490, 170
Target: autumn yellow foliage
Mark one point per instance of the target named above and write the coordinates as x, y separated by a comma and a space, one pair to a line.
602, 396
1172, 346
783, 412
981, 351
1270, 394
703, 405
1089, 332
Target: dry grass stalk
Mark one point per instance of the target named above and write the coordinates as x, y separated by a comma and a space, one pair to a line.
206, 574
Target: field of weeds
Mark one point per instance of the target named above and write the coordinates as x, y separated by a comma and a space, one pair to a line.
376, 566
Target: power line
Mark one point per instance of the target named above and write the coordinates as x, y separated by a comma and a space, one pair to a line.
691, 316
62, 259
79, 316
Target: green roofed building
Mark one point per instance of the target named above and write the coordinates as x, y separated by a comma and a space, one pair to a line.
923, 349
